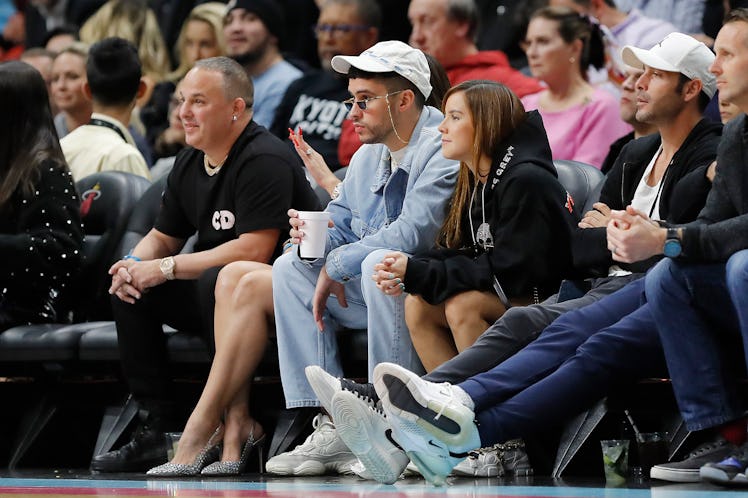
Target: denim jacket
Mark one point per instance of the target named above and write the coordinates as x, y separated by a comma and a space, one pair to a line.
380, 209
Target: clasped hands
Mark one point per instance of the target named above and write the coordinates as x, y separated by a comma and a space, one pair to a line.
131, 278
390, 273
632, 236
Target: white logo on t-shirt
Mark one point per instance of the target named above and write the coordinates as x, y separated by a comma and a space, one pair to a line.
223, 220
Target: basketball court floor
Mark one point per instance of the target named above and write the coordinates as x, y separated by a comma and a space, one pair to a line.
71, 483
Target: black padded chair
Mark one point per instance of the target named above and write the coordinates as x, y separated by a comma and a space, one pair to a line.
581, 180
47, 351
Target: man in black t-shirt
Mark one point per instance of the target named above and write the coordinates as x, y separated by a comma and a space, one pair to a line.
232, 188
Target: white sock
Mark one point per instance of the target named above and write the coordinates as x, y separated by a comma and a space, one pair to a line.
463, 397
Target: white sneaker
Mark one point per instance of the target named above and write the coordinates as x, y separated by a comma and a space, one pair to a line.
431, 421
484, 462
368, 435
323, 452
325, 386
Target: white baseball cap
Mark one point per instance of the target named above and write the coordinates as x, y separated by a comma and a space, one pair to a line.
387, 57
676, 53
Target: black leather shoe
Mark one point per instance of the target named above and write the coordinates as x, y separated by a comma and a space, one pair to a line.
146, 449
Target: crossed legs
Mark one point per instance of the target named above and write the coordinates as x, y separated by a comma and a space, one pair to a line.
243, 319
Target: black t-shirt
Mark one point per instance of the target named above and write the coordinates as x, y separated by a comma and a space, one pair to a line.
260, 180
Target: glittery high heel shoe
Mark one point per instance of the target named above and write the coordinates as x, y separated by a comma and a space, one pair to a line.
235, 468
208, 454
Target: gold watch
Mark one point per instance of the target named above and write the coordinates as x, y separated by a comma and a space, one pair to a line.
167, 267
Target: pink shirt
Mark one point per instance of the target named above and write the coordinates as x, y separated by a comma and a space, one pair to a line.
582, 132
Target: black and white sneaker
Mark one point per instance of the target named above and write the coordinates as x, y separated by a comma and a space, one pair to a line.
731, 471
687, 470
364, 429
325, 386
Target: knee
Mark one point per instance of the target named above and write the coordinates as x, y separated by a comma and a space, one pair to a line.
660, 278
737, 271
251, 286
227, 280
417, 311
371, 260
459, 309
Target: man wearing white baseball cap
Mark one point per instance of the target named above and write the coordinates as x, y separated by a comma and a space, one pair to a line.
394, 197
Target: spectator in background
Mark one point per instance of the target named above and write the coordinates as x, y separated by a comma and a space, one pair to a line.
113, 73
40, 228
253, 30
621, 29
232, 187
685, 15
201, 37
42, 17
627, 107
314, 102
727, 111
446, 29
60, 37
581, 120
41, 59
68, 88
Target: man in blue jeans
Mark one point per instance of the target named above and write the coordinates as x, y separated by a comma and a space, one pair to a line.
699, 295
394, 197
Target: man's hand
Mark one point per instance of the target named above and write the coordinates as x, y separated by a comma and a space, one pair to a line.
598, 217
632, 236
296, 231
147, 274
122, 285
390, 273
325, 287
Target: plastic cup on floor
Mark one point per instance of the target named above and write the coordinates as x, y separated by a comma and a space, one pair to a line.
615, 460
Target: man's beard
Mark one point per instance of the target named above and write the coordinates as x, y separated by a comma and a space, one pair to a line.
252, 56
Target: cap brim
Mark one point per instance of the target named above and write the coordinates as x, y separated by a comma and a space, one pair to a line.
638, 58
343, 63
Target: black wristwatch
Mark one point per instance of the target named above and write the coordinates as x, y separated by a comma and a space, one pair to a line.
672, 248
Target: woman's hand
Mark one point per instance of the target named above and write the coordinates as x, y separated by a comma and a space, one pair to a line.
390, 273
313, 161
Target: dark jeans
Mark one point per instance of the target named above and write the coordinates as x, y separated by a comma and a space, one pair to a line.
517, 328
573, 363
186, 305
701, 310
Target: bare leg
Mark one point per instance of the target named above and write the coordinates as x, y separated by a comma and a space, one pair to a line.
429, 332
469, 314
244, 310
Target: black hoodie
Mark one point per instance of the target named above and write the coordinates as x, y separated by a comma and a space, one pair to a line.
531, 220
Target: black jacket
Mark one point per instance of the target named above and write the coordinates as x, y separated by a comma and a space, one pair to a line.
683, 193
530, 219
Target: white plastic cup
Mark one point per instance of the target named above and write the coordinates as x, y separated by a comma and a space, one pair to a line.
315, 233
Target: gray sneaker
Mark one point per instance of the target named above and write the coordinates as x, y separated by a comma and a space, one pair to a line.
483, 462
323, 452
514, 458
687, 470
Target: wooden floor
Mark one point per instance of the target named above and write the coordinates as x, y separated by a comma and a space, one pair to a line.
71, 483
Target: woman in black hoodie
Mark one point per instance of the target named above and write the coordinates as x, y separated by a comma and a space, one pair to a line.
506, 238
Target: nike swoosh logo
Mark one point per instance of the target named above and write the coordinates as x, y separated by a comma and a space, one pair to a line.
453, 455
388, 435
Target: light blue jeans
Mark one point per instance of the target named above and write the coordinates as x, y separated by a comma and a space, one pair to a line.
301, 344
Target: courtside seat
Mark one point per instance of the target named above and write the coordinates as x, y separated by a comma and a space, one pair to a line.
581, 180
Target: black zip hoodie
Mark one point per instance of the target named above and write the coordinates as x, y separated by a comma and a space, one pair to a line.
531, 220
683, 193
